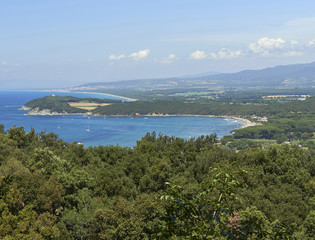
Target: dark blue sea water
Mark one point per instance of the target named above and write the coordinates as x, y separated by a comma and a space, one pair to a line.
93, 131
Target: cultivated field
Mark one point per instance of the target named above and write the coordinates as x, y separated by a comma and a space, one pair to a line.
86, 105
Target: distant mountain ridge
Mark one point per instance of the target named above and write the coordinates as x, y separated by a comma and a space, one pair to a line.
284, 76
296, 75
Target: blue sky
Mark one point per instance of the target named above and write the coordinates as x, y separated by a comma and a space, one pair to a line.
51, 44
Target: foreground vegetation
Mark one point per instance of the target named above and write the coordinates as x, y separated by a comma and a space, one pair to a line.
164, 188
258, 183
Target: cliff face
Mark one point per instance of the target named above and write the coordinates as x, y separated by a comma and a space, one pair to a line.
43, 112
25, 108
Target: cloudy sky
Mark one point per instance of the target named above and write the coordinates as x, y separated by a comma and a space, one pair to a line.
51, 44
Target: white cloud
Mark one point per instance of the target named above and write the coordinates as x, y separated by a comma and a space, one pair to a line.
311, 43
140, 55
171, 56
3, 62
275, 47
222, 54
198, 55
225, 54
135, 56
265, 45
169, 59
114, 57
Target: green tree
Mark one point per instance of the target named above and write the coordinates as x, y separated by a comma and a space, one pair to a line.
200, 215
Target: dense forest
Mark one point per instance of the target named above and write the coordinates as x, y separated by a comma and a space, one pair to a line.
163, 188
211, 108
61, 104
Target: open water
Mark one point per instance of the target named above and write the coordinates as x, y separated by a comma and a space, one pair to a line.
93, 131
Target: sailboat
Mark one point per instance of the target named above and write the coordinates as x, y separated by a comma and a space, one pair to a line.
88, 129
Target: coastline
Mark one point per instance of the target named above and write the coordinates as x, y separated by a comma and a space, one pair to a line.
246, 122
65, 91
46, 112
127, 98
108, 94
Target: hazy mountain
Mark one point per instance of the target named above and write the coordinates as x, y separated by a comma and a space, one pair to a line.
297, 75
201, 75
288, 76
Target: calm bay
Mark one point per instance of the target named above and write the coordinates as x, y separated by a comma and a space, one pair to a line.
93, 131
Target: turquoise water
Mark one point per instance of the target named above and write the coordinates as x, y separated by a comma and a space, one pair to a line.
93, 131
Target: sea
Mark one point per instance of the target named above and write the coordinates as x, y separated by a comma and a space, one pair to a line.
94, 131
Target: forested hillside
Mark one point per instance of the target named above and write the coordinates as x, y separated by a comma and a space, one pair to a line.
60, 104
164, 188
207, 108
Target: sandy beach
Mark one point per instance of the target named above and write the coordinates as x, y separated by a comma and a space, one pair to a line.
107, 94
129, 99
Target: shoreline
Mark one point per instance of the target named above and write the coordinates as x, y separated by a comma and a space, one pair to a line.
62, 90
45, 112
108, 94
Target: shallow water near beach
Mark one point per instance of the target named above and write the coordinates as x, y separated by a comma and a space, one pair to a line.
93, 131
